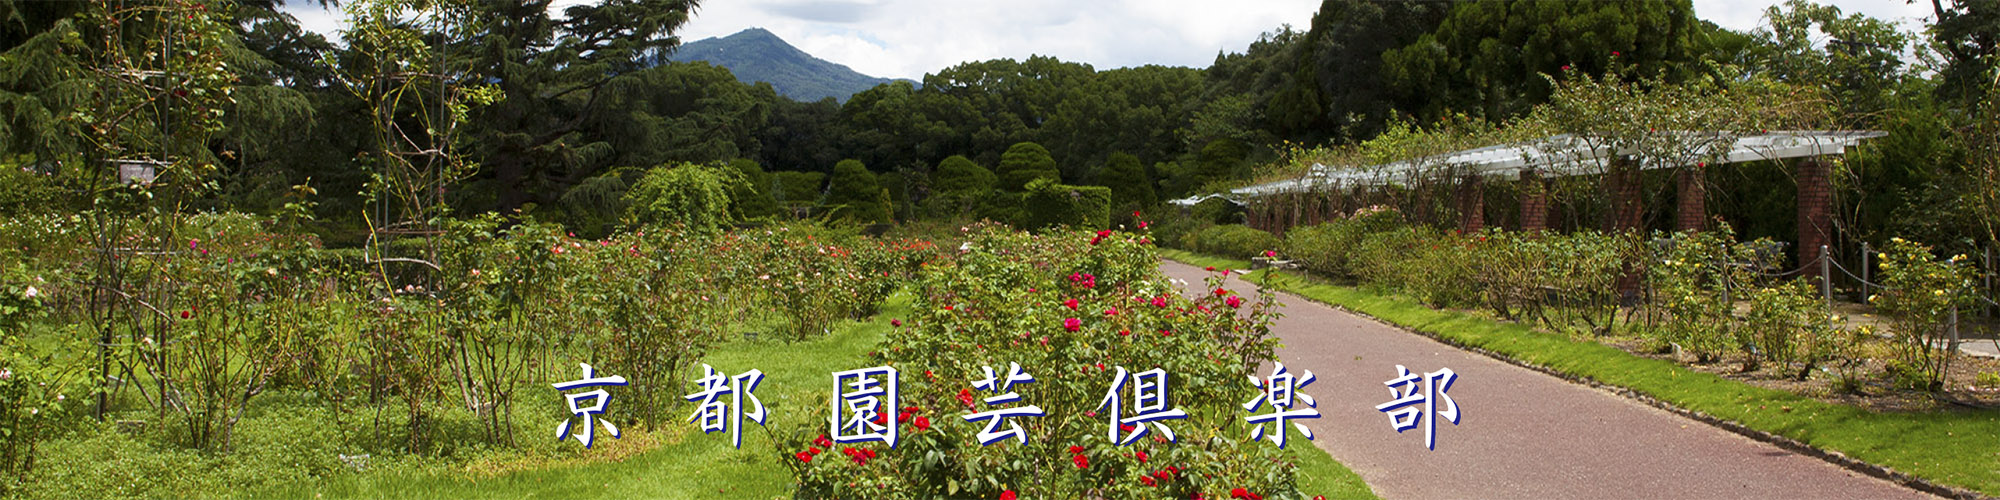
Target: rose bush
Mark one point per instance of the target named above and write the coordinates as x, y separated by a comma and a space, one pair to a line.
1071, 308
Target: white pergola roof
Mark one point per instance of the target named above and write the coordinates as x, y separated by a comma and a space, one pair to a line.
1560, 155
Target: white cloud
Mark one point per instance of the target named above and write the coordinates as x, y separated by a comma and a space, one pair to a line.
911, 38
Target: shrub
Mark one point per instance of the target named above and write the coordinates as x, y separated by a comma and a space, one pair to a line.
1690, 287
1789, 325
1006, 300
688, 195
1024, 163
1920, 293
1050, 204
1234, 241
854, 194
1328, 248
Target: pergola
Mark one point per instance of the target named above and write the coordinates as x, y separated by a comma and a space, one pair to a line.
1572, 155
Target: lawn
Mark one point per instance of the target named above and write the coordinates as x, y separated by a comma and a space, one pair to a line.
1959, 448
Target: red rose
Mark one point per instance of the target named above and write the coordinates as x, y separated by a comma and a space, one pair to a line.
1072, 324
1073, 449
1139, 455
1071, 303
1124, 333
823, 442
1146, 480
1239, 493
1007, 495
1235, 301
896, 323
804, 457
812, 450
1082, 462
922, 423
965, 396
1221, 292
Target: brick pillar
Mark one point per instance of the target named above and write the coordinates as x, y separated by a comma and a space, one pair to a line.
1534, 202
1627, 214
1628, 210
1693, 213
1471, 205
1815, 208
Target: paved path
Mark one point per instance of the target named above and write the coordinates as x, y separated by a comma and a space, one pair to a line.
1522, 434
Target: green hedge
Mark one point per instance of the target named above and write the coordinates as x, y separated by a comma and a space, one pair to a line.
1233, 240
1049, 204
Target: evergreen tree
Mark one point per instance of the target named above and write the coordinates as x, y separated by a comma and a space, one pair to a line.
854, 194
1130, 188
752, 198
1025, 162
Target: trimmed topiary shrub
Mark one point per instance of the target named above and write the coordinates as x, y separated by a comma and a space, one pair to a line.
1050, 204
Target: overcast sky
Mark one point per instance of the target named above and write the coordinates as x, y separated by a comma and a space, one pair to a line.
909, 38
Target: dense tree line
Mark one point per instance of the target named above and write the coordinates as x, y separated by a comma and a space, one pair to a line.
585, 106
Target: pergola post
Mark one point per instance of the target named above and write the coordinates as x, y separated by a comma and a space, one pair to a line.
1471, 205
1628, 211
1627, 214
1692, 215
1815, 207
1534, 201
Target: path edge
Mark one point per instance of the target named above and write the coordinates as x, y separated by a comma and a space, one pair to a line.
1829, 456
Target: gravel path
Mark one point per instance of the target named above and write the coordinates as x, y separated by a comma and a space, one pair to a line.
1521, 434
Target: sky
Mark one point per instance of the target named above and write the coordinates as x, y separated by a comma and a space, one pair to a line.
911, 38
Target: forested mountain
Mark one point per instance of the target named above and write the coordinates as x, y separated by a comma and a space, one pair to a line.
757, 55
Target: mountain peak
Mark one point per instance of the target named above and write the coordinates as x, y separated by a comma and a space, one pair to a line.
758, 55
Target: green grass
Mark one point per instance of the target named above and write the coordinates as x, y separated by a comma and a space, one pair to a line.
1320, 474
694, 466
1956, 447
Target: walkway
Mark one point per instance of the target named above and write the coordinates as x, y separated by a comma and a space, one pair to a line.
1522, 434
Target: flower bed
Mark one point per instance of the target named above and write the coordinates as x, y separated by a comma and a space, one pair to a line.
1071, 309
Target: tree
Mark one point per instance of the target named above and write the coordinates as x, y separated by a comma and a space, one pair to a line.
752, 199
959, 177
798, 191
853, 193
1967, 34
1025, 162
551, 69
1130, 188
678, 112
1484, 57
1858, 59
688, 195
1218, 161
